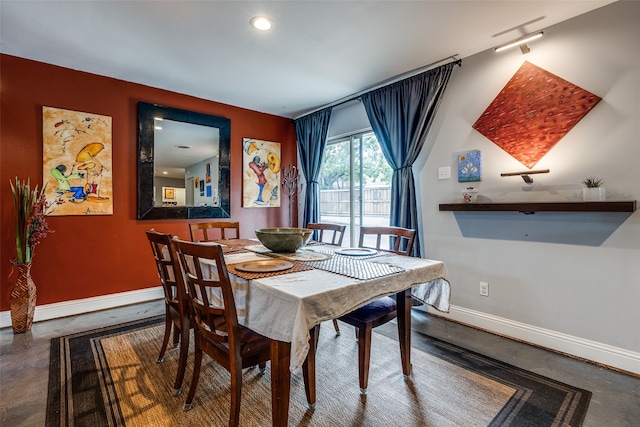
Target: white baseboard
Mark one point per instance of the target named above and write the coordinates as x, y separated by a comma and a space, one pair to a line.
615, 357
73, 307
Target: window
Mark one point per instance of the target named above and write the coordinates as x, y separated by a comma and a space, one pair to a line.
355, 184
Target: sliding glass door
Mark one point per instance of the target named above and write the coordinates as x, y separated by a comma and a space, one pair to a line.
355, 183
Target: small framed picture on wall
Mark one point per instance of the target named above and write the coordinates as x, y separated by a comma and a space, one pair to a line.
469, 166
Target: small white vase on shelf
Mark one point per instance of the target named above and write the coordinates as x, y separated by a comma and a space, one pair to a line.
594, 194
469, 195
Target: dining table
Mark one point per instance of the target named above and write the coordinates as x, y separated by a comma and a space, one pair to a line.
285, 297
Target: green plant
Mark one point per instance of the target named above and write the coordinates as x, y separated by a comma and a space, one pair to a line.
593, 182
31, 226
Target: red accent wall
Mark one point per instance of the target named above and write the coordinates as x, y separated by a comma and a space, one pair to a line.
88, 256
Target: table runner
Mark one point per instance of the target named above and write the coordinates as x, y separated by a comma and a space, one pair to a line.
355, 267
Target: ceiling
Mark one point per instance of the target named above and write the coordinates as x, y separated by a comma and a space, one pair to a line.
317, 51
196, 144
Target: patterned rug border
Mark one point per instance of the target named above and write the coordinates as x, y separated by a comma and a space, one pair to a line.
526, 403
531, 405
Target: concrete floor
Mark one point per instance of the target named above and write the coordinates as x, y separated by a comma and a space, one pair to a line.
24, 365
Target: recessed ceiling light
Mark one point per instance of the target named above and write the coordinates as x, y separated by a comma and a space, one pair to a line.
157, 127
261, 23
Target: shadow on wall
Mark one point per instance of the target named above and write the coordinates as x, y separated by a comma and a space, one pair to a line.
584, 228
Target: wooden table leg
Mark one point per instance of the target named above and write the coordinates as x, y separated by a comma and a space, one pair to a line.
309, 367
403, 302
280, 382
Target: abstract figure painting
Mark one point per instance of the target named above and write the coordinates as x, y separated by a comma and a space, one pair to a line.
260, 173
533, 112
77, 162
208, 173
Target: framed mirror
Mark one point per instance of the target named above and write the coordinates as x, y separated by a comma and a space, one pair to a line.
183, 164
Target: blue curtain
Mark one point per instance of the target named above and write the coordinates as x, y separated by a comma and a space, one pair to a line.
311, 132
401, 115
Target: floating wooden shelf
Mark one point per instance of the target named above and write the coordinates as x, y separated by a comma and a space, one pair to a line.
532, 207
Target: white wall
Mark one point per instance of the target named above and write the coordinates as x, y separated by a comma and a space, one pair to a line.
199, 170
557, 277
347, 119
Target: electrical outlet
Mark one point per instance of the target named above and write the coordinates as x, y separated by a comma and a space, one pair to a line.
484, 289
444, 172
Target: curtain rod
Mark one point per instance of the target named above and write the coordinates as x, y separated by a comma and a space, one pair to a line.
382, 84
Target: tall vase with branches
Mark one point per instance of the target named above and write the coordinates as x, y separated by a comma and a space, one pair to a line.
290, 187
31, 228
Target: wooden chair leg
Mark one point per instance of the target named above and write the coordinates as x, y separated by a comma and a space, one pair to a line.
236, 392
182, 362
197, 362
364, 357
167, 333
336, 327
176, 335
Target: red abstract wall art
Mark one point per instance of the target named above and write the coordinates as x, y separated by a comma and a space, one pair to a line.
533, 112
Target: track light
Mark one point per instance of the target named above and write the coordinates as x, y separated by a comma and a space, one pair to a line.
525, 175
522, 42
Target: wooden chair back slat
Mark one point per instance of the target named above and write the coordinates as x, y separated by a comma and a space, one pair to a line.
165, 261
400, 239
208, 317
335, 232
214, 230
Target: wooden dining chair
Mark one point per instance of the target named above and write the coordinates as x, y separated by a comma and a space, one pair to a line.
214, 230
217, 331
400, 240
177, 313
382, 310
334, 232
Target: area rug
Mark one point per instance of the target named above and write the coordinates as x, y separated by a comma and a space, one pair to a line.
109, 377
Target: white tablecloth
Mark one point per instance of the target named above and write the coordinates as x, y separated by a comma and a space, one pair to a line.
285, 307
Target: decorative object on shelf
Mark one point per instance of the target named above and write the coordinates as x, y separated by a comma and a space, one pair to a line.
594, 191
31, 228
260, 173
290, 187
76, 162
470, 195
469, 166
533, 111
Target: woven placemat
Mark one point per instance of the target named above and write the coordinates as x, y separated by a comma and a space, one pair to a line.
297, 266
355, 267
235, 246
